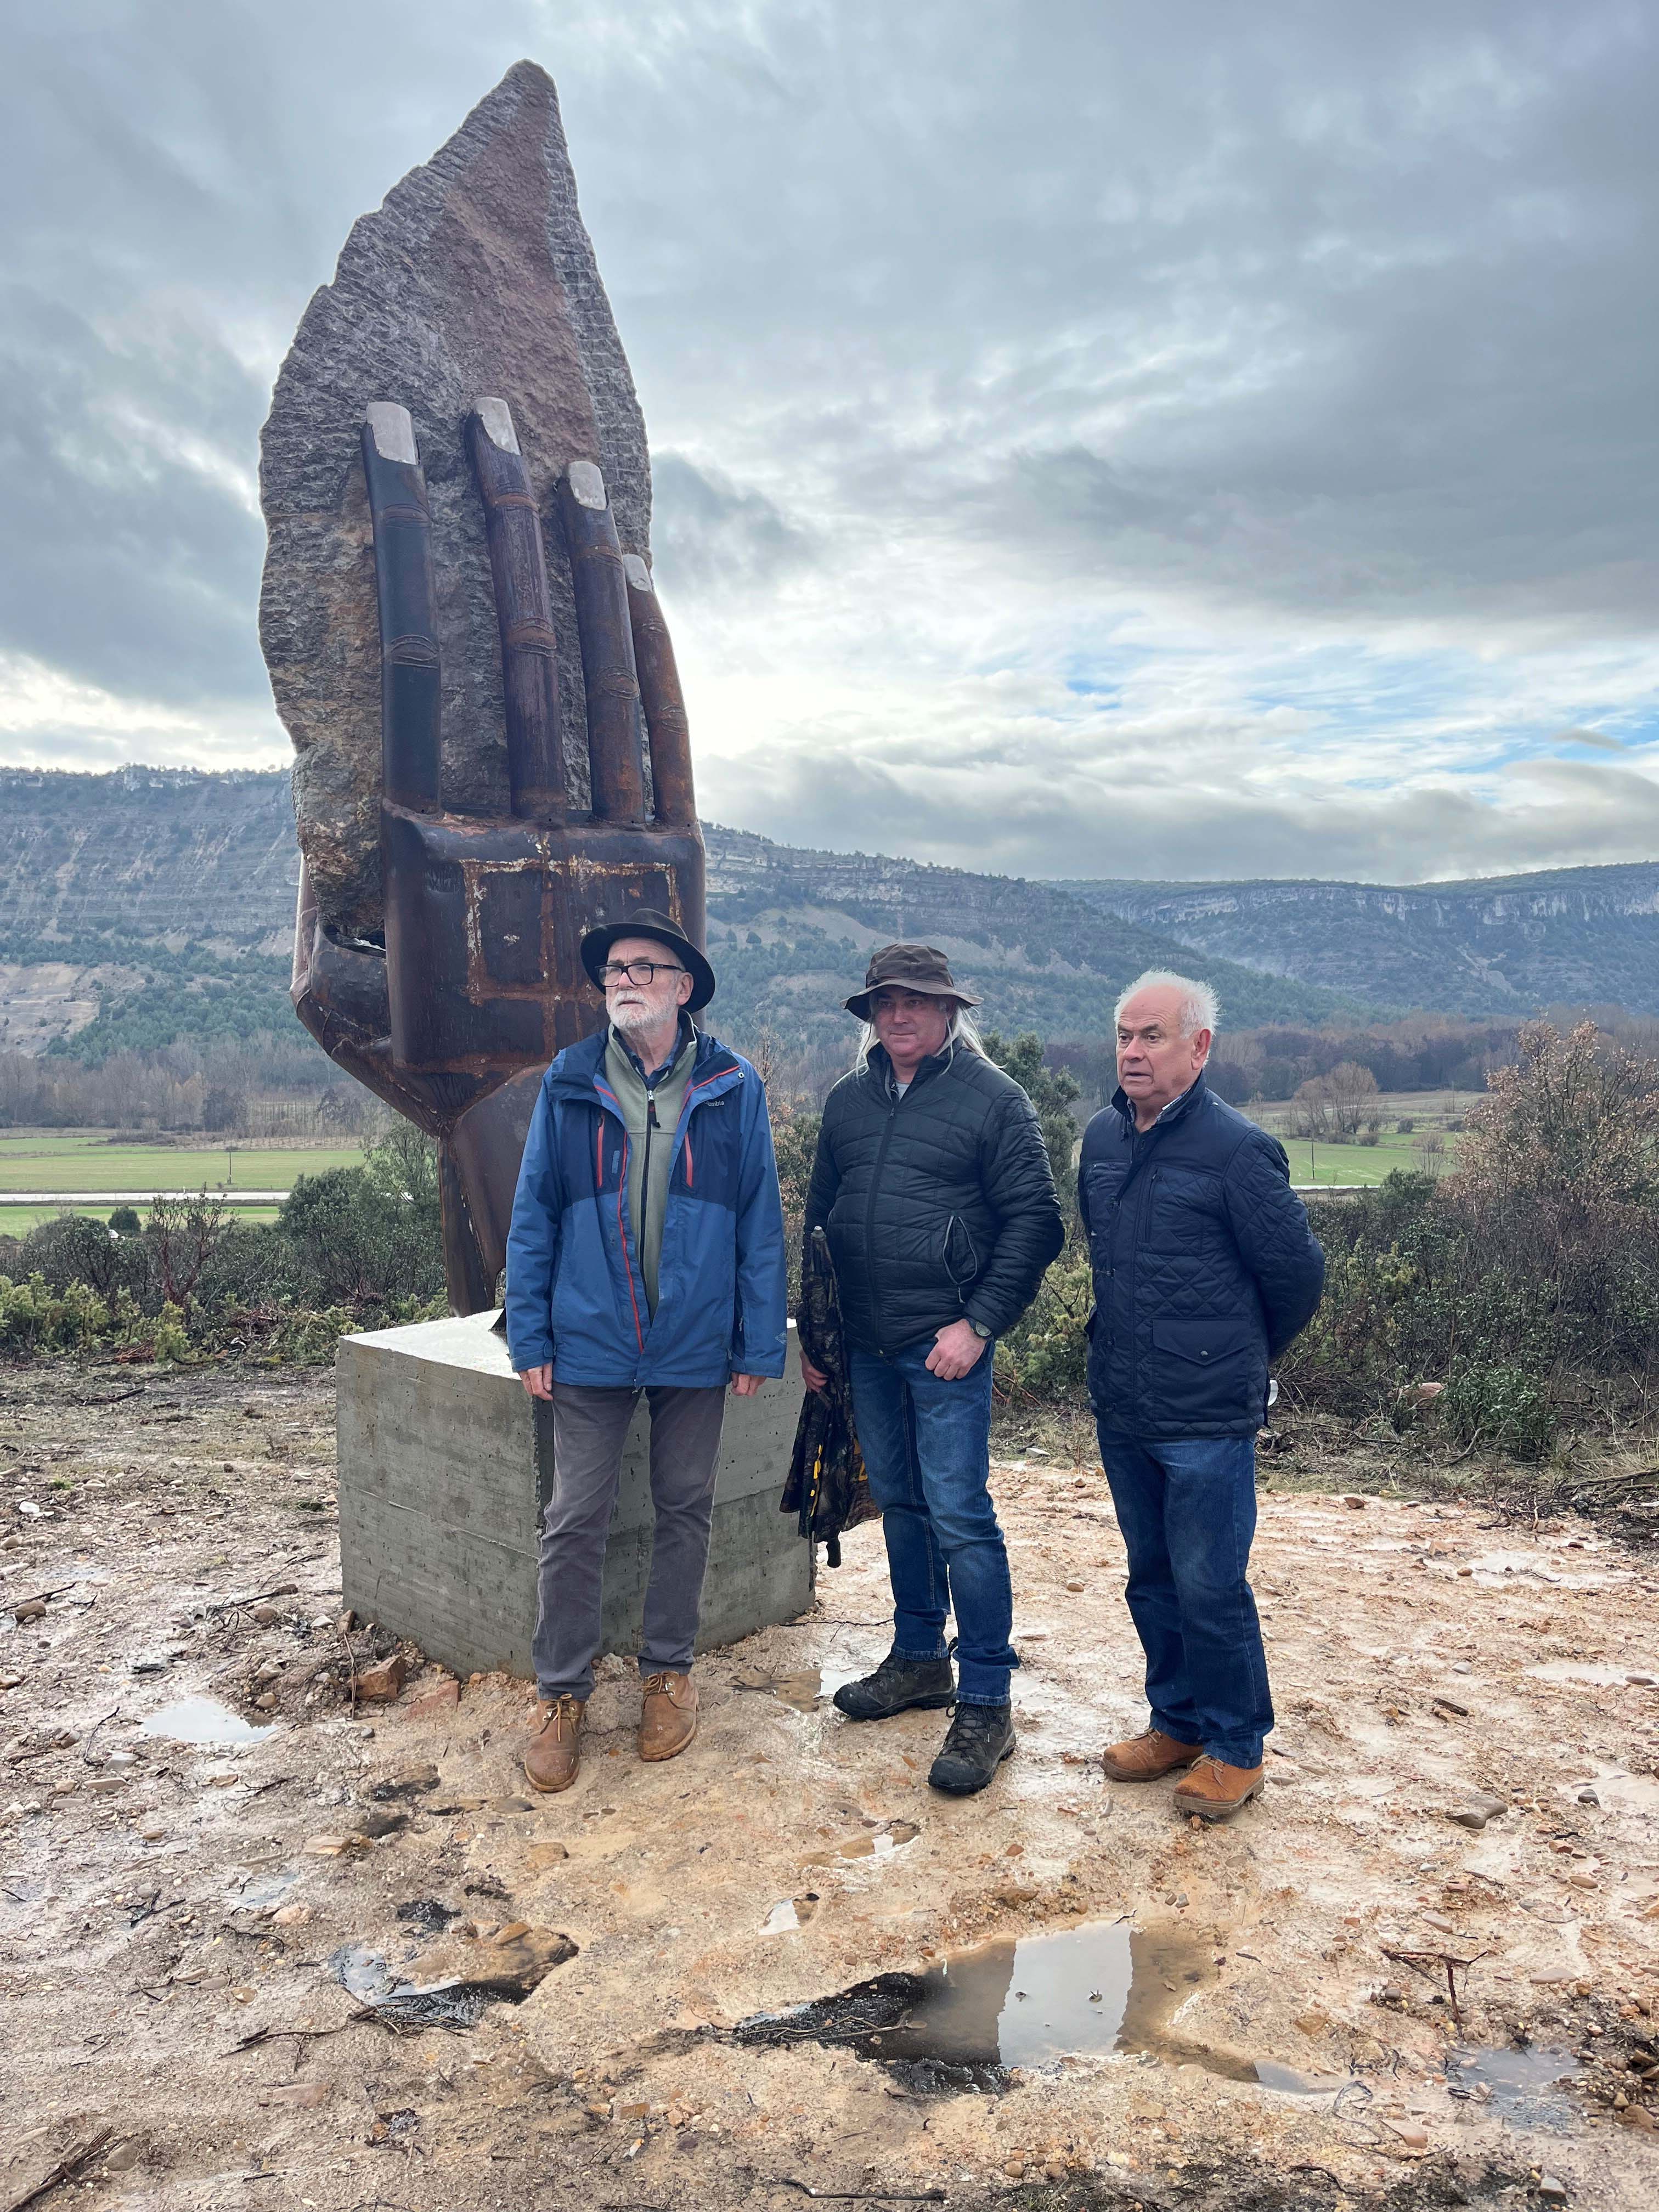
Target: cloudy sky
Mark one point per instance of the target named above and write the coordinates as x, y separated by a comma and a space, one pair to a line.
1090, 438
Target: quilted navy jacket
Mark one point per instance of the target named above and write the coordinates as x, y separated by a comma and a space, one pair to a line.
938, 1204
574, 1292
1205, 1267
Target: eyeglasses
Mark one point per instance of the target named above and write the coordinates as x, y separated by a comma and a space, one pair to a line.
637, 971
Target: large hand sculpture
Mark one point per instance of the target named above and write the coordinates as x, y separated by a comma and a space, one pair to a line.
479, 984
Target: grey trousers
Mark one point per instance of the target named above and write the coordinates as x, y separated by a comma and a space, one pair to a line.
589, 1428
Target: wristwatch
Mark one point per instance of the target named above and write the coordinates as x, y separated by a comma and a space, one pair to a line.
979, 1329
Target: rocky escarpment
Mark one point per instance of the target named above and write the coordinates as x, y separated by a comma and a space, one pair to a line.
144, 854
1495, 945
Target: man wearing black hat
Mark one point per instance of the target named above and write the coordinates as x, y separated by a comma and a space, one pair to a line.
646, 1253
932, 1184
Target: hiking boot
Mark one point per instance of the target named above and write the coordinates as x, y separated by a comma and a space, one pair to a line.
1148, 1757
1215, 1791
553, 1751
669, 1719
896, 1685
981, 1738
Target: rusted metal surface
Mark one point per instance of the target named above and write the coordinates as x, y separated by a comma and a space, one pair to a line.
478, 982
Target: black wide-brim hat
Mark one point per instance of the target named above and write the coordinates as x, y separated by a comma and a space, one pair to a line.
908, 968
646, 921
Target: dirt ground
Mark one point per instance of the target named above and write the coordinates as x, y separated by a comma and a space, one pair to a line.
169, 1910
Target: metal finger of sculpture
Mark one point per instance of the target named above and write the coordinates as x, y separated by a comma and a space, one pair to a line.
543, 784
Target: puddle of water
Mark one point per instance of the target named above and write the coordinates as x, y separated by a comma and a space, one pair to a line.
428, 1916
806, 1688
264, 1892
203, 1720
789, 1912
409, 2006
880, 1844
1516, 2085
964, 2024
1576, 1670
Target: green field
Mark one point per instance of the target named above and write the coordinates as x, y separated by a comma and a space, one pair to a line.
84, 1159
1313, 1161
18, 1220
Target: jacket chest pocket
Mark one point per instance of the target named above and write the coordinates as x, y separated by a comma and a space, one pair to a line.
706, 1162
1183, 1209
1102, 1183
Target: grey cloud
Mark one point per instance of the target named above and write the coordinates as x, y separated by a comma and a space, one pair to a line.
1343, 314
1558, 814
712, 538
1595, 739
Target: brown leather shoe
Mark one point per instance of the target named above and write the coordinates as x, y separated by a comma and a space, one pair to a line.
553, 1753
669, 1720
1148, 1757
1215, 1791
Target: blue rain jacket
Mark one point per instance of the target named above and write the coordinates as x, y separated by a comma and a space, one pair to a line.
574, 1293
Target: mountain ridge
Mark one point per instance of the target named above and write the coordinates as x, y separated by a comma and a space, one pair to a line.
102, 874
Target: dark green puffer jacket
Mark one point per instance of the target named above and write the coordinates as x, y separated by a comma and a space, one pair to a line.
939, 1205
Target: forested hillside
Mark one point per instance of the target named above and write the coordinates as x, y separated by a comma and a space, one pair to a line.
156, 905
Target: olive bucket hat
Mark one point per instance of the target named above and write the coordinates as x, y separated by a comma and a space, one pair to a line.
908, 968
646, 921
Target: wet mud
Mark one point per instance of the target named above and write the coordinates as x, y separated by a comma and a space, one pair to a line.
1055, 1994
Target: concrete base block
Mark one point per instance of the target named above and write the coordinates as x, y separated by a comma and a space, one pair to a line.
446, 1466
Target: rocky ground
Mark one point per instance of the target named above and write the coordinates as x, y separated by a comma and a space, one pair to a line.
1464, 1771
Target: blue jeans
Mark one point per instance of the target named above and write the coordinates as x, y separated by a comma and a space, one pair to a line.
1187, 1513
927, 1451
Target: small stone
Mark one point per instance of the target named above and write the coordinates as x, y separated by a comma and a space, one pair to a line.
1413, 2138
1551, 2191
301, 2096
1637, 2115
333, 1847
29, 1608
266, 1701
1482, 1808
1076, 1586
147, 1662
540, 1856
11, 1681
346, 1622
290, 1916
105, 1785
379, 1684
1354, 1502
435, 1699
153, 1833
267, 1616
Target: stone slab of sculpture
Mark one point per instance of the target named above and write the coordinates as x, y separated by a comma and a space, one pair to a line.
466, 648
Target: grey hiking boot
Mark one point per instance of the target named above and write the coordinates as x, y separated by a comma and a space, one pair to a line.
981, 1738
896, 1685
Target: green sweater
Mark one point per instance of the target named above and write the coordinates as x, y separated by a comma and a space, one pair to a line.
652, 1114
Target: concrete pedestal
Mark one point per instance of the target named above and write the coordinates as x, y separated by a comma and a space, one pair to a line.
446, 1465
